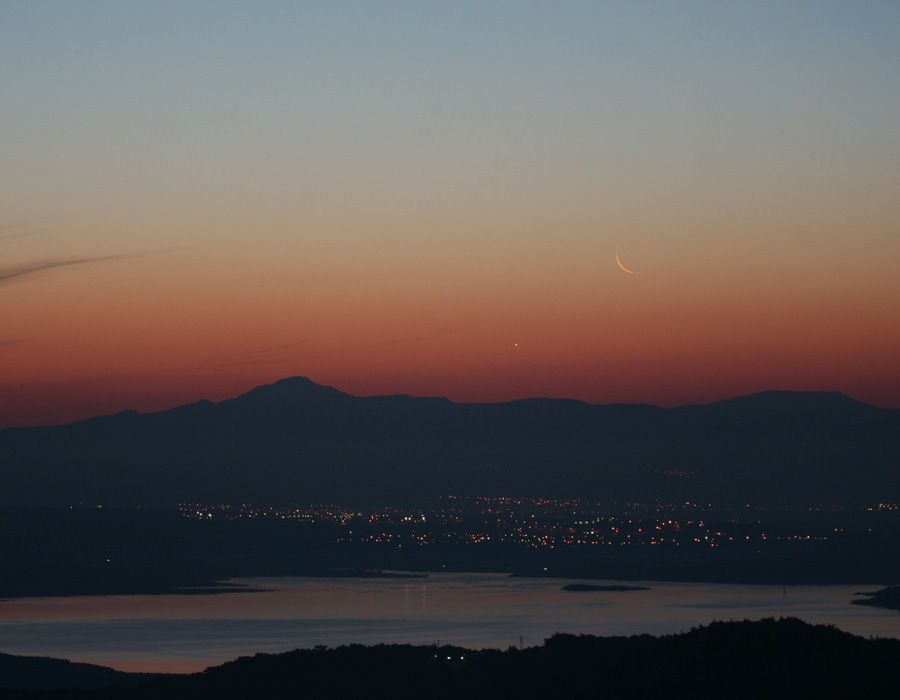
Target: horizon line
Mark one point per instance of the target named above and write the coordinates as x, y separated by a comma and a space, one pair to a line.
308, 380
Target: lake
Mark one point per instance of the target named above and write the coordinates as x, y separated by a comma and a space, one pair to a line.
182, 633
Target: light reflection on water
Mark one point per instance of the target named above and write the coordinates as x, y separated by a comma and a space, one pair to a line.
187, 633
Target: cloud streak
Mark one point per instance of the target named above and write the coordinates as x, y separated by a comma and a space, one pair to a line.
18, 230
12, 273
304, 350
18, 234
269, 355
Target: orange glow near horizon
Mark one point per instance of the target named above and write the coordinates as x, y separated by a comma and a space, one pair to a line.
94, 341
431, 200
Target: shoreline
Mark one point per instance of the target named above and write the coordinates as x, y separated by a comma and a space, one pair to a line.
216, 587
226, 585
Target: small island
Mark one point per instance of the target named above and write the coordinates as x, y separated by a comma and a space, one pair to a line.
885, 598
614, 588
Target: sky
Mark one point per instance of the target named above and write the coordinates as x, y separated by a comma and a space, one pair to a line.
428, 198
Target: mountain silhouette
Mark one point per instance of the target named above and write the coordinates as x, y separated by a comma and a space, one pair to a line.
296, 441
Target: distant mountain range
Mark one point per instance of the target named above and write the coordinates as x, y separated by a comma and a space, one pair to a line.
295, 441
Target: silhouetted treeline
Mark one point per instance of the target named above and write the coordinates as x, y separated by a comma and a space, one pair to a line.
766, 659
35, 672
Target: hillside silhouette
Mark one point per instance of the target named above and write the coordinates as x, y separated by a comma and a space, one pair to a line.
783, 658
35, 672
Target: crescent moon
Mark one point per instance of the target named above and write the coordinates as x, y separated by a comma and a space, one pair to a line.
623, 268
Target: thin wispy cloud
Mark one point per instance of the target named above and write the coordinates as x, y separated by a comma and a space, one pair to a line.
11, 273
269, 355
17, 234
421, 338
306, 349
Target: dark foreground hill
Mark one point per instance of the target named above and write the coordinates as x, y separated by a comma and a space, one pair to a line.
297, 442
786, 658
30, 672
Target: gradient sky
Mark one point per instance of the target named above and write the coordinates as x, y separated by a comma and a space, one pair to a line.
200, 197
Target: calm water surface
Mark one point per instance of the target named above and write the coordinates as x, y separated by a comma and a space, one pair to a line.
187, 633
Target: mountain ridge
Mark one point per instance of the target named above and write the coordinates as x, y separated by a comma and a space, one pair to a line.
305, 387
298, 441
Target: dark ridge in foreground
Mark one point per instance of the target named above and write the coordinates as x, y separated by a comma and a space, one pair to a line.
784, 658
34, 672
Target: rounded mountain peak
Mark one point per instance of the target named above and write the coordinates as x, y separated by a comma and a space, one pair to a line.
291, 389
